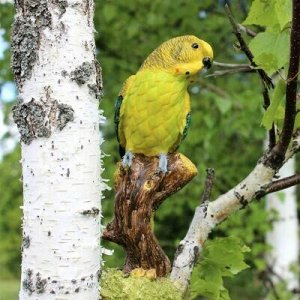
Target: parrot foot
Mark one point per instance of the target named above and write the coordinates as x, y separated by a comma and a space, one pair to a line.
127, 159
163, 163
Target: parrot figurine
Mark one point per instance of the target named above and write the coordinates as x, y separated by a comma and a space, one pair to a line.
152, 112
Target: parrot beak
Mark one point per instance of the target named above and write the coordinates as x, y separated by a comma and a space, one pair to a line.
206, 62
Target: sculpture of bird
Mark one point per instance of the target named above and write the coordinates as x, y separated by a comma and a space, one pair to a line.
152, 112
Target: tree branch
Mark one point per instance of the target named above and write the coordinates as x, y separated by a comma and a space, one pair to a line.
208, 185
243, 46
279, 185
228, 65
248, 31
247, 69
265, 79
277, 155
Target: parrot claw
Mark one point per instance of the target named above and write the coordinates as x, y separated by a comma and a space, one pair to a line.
163, 163
127, 159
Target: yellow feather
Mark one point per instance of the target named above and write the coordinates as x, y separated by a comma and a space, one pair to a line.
155, 99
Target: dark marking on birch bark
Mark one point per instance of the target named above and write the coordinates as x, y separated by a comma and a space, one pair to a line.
40, 284
26, 242
94, 211
29, 118
32, 17
87, 7
62, 6
64, 73
241, 199
99, 82
204, 208
196, 255
94, 90
82, 73
65, 115
178, 251
27, 283
36, 119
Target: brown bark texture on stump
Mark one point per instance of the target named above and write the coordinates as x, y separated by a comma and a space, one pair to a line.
139, 192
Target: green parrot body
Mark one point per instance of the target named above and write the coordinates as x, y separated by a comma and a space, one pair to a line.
153, 110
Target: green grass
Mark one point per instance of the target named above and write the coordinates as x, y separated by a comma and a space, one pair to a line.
9, 289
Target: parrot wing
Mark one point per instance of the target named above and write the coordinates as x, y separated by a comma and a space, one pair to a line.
184, 133
187, 125
117, 116
186, 121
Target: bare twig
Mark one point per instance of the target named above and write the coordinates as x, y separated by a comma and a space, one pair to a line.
279, 185
277, 155
247, 30
272, 286
213, 88
247, 69
265, 79
208, 185
228, 65
245, 48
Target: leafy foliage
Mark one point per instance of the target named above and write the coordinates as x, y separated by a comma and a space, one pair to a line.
276, 110
10, 221
222, 257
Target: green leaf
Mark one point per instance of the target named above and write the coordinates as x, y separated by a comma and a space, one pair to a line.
227, 254
274, 14
207, 281
222, 257
271, 50
223, 105
283, 10
262, 13
208, 289
224, 295
272, 112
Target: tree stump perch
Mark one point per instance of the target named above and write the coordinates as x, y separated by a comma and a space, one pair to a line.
139, 192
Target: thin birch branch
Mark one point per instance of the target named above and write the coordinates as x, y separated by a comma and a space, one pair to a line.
279, 185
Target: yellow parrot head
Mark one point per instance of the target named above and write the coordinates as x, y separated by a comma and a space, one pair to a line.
184, 55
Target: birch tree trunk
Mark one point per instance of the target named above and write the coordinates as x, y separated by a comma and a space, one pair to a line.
57, 114
283, 238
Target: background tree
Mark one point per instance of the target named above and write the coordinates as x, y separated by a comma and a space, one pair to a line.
59, 85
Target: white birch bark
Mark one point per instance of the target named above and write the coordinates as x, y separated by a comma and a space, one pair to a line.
283, 238
58, 119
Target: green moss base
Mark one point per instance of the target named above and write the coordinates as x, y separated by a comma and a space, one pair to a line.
115, 285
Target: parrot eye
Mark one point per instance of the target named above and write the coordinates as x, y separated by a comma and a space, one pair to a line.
195, 45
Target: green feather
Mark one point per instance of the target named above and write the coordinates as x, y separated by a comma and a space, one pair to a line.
187, 125
117, 115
